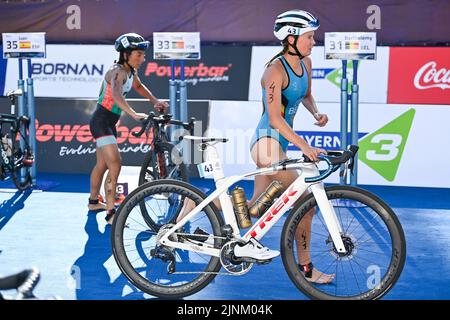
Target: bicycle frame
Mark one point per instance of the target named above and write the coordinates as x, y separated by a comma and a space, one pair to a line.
271, 216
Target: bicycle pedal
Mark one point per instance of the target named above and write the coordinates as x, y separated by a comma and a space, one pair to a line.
252, 260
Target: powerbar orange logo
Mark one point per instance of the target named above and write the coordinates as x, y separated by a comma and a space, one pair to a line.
82, 134
190, 71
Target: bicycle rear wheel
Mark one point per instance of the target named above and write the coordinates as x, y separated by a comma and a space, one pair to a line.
145, 261
373, 238
155, 168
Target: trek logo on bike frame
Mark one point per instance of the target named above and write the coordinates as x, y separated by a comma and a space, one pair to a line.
274, 210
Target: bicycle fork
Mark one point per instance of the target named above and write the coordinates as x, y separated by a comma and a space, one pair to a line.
329, 215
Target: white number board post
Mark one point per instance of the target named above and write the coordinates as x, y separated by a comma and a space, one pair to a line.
177, 46
350, 46
26, 46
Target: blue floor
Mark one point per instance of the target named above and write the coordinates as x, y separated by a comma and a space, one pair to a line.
54, 231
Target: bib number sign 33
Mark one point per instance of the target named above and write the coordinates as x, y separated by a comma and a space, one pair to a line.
176, 45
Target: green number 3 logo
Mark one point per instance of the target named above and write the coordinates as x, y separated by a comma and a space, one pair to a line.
389, 147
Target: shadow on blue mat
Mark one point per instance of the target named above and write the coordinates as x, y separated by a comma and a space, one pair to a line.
92, 279
395, 196
9, 208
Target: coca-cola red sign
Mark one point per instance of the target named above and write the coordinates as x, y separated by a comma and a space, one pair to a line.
419, 75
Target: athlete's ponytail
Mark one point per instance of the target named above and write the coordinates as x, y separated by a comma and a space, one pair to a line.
285, 49
122, 60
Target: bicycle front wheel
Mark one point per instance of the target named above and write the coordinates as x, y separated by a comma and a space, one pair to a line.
157, 269
371, 233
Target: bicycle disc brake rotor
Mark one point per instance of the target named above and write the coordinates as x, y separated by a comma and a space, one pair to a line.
349, 244
231, 263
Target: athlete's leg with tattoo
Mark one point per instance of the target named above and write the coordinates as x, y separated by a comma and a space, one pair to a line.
113, 161
96, 181
261, 155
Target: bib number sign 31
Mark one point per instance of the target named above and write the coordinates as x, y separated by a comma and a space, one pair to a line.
351, 45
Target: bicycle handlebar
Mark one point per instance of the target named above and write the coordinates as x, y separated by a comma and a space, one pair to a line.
10, 118
163, 119
334, 161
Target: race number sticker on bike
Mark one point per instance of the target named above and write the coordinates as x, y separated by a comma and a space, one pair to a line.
205, 169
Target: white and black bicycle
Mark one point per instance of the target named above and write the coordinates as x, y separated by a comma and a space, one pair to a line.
354, 234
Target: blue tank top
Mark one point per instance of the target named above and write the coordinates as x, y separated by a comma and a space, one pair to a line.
291, 97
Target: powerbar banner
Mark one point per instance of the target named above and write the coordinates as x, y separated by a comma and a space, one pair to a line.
65, 143
77, 71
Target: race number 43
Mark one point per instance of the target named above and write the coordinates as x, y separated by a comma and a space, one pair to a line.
205, 169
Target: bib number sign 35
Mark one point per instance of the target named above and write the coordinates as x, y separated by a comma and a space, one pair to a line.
24, 45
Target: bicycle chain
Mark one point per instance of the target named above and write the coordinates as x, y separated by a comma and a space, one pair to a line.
216, 273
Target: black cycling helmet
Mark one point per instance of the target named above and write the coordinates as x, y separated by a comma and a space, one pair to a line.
131, 41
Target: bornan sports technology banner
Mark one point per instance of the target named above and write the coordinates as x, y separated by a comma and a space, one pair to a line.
69, 71
395, 140
327, 74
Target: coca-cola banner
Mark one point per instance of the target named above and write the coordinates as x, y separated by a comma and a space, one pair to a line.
65, 143
419, 75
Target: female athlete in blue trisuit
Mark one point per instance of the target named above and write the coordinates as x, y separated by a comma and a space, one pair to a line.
286, 83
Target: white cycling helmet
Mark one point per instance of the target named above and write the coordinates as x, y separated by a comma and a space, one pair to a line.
294, 22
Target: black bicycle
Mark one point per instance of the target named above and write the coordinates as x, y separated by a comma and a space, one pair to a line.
24, 282
16, 156
165, 160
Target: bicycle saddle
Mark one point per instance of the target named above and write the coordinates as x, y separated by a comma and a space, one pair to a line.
14, 93
203, 139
